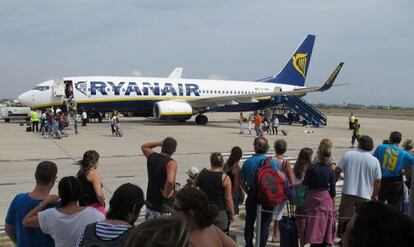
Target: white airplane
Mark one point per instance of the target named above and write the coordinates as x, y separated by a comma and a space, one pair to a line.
175, 98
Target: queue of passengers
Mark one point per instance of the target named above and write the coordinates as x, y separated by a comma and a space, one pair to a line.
52, 123
260, 122
201, 213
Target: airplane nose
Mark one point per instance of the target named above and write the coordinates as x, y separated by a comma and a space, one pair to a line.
24, 99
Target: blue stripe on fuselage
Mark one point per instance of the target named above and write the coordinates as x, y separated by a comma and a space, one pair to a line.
145, 107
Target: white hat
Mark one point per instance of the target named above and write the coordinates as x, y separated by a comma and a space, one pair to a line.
58, 110
192, 171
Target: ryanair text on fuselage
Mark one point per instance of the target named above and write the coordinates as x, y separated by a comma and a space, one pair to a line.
140, 88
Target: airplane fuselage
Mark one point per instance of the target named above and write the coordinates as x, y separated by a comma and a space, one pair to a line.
139, 94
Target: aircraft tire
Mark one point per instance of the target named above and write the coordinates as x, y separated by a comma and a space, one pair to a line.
7, 120
203, 120
197, 119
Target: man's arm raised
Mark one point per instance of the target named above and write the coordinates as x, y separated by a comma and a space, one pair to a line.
147, 148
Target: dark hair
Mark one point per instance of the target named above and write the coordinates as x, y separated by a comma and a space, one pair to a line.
193, 199
169, 145
69, 190
216, 159
260, 145
127, 198
395, 137
303, 162
85, 164
280, 146
408, 145
165, 231
45, 172
386, 141
366, 143
377, 224
235, 156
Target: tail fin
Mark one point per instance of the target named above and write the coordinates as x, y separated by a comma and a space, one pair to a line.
295, 70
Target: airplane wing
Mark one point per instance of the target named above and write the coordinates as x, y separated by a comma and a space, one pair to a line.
252, 98
177, 73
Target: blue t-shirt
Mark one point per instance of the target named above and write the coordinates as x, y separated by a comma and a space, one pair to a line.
21, 205
250, 167
393, 159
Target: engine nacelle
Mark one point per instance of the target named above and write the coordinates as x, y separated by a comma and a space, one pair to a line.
172, 110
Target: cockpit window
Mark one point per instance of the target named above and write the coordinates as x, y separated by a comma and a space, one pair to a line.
41, 88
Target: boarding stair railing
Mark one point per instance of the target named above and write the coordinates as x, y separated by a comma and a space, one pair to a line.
307, 111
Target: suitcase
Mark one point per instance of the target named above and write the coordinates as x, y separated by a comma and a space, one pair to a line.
28, 128
288, 229
284, 132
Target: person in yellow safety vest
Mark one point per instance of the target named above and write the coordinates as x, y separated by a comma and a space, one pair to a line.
35, 121
356, 134
351, 121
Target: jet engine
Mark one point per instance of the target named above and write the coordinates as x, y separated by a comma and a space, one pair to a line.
172, 110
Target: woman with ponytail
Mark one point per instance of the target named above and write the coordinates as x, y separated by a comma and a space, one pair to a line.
92, 193
193, 205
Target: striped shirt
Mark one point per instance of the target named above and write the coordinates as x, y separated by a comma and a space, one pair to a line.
107, 232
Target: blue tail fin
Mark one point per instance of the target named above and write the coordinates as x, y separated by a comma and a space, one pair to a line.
295, 70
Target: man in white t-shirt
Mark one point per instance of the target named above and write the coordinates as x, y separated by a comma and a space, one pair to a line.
362, 179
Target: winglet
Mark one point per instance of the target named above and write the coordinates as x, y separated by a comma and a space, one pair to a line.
330, 81
177, 73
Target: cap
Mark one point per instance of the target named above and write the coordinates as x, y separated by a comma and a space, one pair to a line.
192, 171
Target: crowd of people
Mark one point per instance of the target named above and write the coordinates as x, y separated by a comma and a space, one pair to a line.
201, 213
260, 122
52, 123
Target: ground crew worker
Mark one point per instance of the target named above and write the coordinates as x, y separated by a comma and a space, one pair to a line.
352, 121
35, 117
356, 134
84, 118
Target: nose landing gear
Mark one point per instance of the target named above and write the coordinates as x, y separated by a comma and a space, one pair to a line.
201, 119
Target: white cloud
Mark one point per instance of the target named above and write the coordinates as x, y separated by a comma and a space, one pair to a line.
218, 77
136, 73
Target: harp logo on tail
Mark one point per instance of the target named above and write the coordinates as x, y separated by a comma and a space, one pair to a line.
299, 63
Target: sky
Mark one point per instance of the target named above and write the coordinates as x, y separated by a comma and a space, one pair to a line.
235, 40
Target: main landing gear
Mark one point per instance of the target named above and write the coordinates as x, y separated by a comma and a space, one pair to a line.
201, 119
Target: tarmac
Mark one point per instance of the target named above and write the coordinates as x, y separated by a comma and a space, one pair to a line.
122, 161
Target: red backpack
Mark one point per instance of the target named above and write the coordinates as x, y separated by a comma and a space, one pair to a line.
269, 185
